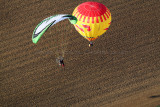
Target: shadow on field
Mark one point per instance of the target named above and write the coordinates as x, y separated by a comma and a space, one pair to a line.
155, 96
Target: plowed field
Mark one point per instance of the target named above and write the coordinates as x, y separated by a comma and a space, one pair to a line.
122, 69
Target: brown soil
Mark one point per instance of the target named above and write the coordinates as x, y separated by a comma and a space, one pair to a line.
121, 70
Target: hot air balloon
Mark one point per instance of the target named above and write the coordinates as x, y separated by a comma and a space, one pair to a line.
93, 20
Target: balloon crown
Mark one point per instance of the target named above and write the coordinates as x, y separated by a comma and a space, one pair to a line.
92, 9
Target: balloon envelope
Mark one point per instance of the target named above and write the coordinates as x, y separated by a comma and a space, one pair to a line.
93, 18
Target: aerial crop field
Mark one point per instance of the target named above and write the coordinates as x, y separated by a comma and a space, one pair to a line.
122, 69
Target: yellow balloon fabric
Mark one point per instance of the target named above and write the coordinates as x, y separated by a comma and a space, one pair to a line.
94, 19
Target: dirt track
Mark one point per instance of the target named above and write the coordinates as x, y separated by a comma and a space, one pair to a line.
122, 69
